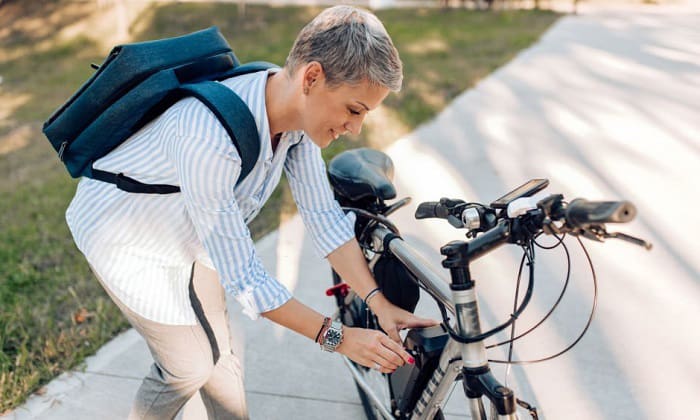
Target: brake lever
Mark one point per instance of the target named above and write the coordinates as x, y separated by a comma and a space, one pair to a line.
598, 233
628, 238
452, 207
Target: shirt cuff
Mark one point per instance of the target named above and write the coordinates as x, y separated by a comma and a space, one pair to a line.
266, 296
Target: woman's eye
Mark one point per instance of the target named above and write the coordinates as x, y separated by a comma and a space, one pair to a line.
354, 112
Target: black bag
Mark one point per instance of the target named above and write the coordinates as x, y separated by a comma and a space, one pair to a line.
398, 284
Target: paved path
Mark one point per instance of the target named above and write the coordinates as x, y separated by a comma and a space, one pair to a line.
605, 106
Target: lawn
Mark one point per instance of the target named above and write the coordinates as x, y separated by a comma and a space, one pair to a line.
52, 312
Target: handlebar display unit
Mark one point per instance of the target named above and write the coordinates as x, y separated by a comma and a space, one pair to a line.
528, 189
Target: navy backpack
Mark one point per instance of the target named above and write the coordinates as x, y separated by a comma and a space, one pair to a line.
134, 85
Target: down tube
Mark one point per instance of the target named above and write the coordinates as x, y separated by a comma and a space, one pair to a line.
450, 365
440, 384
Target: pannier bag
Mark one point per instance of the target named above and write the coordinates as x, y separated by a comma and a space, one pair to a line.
135, 84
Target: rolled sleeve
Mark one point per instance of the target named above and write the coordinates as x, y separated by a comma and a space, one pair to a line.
329, 230
325, 221
265, 294
207, 171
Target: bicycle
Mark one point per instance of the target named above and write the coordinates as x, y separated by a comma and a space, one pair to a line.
445, 354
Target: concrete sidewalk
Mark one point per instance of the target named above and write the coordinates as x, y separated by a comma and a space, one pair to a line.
606, 107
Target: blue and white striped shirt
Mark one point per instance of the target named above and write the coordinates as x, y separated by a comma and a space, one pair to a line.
143, 245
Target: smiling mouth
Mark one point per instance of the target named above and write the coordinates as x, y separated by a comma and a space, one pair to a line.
334, 134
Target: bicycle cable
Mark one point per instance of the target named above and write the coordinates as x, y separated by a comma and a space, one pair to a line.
376, 217
560, 241
561, 295
529, 250
585, 329
480, 337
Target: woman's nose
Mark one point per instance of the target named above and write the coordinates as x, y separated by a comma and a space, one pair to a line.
355, 126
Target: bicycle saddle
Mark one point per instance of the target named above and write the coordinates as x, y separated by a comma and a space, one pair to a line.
361, 173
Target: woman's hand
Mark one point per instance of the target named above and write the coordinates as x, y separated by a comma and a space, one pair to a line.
393, 319
349, 262
373, 349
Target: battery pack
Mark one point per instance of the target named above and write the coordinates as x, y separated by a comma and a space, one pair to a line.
407, 383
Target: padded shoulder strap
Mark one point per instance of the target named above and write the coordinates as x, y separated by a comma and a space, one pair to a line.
234, 115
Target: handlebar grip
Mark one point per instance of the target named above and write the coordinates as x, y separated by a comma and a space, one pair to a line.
581, 212
427, 210
432, 209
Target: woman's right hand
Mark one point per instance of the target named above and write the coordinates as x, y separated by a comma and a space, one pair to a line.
373, 349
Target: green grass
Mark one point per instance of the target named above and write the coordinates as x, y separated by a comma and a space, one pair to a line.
44, 284
44, 281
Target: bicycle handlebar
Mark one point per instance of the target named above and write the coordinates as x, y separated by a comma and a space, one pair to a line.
580, 217
579, 213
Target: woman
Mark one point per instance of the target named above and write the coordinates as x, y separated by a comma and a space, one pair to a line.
166, 260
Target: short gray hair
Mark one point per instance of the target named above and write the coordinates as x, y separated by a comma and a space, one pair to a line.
351, 45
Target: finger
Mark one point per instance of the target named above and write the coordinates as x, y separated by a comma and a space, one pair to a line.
393, 360
382, 365
416, 322
399, 350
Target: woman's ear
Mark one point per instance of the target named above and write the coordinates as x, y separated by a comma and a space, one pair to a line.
313, 74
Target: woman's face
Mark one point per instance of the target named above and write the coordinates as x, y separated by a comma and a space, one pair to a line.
331, 112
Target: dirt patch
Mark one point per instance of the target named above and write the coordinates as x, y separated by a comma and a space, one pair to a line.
15, 140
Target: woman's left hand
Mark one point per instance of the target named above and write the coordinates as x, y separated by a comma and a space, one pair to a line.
393, 319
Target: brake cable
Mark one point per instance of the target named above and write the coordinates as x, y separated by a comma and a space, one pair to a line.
585, 329
480, 337
561, 295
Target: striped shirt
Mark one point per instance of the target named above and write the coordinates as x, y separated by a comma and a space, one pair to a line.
143, 245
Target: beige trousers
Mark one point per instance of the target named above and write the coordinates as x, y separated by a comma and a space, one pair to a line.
184, 357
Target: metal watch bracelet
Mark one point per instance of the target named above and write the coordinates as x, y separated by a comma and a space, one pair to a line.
332, 337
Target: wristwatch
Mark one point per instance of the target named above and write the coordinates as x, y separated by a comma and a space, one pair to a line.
332, 337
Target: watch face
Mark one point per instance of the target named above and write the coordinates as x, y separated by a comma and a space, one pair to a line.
333, 337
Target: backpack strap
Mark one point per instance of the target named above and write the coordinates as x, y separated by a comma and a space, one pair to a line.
234, 115
232, 112
131, 185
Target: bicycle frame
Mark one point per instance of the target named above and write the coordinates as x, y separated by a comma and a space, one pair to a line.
467, 361
444, 354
